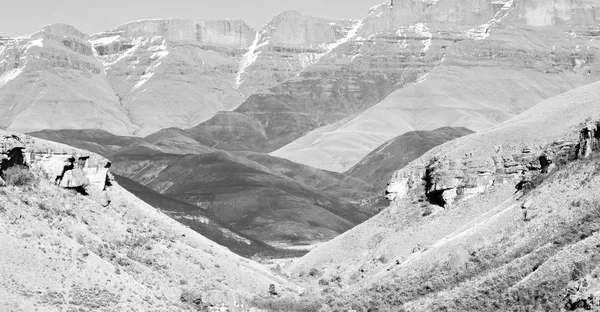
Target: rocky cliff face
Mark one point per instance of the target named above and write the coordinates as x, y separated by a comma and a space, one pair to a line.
135, 79
287, 45
148, 75
170, 73
463, 64
442, 177
51, 79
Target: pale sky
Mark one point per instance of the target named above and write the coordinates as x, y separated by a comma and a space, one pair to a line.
23, 17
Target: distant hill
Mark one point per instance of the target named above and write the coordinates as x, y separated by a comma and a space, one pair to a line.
377, 167
199, 220
248, 195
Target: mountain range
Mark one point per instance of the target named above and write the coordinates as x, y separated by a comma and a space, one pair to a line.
288, 133
315, 91
480, 120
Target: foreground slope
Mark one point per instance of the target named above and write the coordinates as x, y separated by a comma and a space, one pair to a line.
416, 247
63, 250
378, 166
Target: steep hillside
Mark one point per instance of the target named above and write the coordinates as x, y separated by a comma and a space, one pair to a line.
272, 201
378, 166
462, 64
62, 250
285, 46
418, 254
199, 220
230, 182
93, 140
148, 75
170, 140
51, 80
501, 261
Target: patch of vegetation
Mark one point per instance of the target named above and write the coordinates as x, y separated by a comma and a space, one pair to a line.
19, 176
491, 279
288, 303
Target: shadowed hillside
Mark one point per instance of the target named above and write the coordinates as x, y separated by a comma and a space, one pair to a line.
377, 167
198, 220
248, 196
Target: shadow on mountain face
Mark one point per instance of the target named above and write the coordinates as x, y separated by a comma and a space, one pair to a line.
379, 165
246, 195
199, 220
267, 198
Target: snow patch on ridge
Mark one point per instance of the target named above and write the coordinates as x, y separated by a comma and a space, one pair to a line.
34, 43
105, 40
483, 31
249, 57
159, 52
422, 78
422, 30
10, 75
351, 34
18, 43
307, 59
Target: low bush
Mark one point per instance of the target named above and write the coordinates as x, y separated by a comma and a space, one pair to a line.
19, 176
287, 304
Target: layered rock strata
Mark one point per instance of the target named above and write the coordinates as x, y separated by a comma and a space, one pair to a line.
472, 65
446, 179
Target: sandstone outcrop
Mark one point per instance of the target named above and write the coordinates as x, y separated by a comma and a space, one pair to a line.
469, 166
378, 166
445, 180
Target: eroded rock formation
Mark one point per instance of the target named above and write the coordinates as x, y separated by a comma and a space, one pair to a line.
443, 180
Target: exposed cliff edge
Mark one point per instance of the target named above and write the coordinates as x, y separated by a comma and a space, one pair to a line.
471, 165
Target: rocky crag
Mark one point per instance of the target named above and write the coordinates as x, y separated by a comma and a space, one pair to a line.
444, 178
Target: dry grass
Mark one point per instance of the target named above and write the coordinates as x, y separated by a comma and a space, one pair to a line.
19, 176
524, 266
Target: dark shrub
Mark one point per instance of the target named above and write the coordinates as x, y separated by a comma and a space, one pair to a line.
18, 176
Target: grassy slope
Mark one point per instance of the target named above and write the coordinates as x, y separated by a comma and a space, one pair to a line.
244, 194
197, 219
367, 255
62, 251
232, 182
503, 263
377, 167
